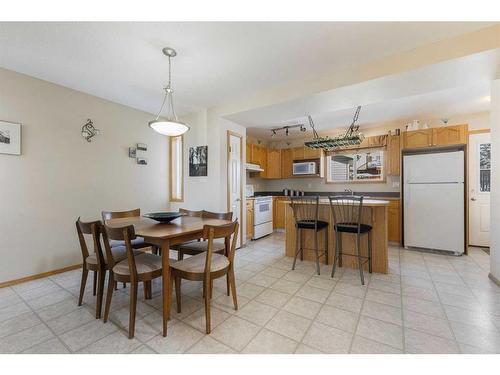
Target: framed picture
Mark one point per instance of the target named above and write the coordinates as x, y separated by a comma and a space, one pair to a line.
132, 152
142, 161
142, 147
10, 138
198, 161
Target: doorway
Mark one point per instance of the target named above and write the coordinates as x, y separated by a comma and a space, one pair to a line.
234, 179
479, 188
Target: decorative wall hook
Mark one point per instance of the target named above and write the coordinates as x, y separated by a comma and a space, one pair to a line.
89, 131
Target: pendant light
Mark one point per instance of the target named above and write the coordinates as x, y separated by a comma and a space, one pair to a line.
169, 124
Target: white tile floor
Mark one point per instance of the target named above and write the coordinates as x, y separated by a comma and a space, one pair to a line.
427, 304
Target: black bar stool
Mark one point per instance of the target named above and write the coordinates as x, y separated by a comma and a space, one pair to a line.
306, 215
346, 212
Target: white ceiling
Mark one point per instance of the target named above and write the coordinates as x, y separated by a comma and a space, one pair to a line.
123, 62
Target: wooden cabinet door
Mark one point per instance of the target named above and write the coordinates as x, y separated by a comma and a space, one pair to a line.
394, 222
259, 154
279, 212
249, 153
312, 153
286, 163
273, 163
298, 153
249, 219
449, 135
393, 155
418, 138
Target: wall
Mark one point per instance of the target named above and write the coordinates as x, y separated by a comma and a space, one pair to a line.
60, 176
495, 182
475, 121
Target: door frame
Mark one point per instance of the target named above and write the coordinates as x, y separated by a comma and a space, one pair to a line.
228, 189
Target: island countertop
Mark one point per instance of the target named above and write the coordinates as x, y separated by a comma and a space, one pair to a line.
374, 213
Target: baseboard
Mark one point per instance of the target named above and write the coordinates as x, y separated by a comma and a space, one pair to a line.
494, 279
39, 276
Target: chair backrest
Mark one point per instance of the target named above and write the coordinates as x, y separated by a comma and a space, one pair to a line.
212, 232
107, 215
192, 213
305, 208
125, 234
346, 209
217, 215
93, 228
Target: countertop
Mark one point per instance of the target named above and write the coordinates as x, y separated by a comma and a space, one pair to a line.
388, 196
366, 202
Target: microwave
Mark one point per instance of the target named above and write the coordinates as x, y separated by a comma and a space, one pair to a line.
305, 168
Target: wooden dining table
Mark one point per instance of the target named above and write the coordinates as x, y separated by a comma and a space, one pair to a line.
182, 229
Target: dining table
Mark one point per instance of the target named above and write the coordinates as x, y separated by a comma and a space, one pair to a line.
165, 235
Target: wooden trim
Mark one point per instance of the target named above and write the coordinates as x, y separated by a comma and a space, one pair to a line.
170, 176
479, 131
384, 171
39, 276
228, 135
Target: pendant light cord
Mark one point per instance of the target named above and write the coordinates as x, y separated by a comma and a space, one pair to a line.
166, 88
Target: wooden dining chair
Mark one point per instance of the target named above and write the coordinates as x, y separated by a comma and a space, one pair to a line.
135, 268
208, 266
96, 262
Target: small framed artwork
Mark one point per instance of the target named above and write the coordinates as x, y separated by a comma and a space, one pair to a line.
142, 147
132, 152
198, 161
10, 138
142, 161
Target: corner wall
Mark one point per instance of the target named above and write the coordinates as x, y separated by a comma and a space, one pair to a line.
495, 182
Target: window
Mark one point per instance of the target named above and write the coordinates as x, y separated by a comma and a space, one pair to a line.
484, 167
176, 169
363, 166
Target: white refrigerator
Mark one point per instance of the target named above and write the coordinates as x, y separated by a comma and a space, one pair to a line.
433, 198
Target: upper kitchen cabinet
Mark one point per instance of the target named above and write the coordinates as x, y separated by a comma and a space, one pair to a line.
298, 153
393, 155
258, 155
417, 138
249, 153
273, 169
305, 153
449, 135
286, 163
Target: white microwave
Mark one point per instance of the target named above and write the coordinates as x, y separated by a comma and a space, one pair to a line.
305, 168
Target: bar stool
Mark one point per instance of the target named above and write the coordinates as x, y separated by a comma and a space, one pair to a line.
306, 215
346, 212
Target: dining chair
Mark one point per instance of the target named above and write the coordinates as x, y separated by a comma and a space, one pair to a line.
306, 214
135, 268
137, 243
347, 218
208, 266
190, 213
96, 262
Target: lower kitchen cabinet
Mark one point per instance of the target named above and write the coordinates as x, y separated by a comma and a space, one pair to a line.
249, 219
279, 212
394, 221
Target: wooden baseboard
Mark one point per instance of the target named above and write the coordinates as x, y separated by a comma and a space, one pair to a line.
39, 276
494, 279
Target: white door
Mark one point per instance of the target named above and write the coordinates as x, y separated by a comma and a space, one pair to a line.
234, 180
479, 189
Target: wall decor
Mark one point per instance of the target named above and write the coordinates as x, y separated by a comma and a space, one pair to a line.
142, 147
198, 161
10, 138
142, 161
132, 152
89, 131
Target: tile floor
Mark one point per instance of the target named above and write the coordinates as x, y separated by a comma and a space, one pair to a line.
427, 304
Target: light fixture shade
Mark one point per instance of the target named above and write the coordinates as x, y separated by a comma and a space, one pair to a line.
170, 128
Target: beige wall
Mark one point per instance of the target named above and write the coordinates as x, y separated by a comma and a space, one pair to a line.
60, 176
495, 181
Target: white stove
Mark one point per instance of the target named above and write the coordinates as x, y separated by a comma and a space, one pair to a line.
262, 217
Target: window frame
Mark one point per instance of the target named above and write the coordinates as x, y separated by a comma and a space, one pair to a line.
383, 178
172, 182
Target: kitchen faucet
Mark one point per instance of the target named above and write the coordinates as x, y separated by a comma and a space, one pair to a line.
349, 191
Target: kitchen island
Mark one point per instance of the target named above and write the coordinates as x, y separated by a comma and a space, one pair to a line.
374, 214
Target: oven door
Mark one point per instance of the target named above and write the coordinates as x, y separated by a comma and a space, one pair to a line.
263, 211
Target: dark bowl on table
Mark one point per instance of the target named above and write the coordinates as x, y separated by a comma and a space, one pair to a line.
163, 217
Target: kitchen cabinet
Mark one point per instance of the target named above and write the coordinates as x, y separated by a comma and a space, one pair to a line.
394, 221
273, 169
279, 212
286, 163
249, 217
418, 138
311, 153
249, 153
298, 153
393, 155
449, 135
259, 156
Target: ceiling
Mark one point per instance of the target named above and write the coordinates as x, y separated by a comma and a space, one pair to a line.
216, 62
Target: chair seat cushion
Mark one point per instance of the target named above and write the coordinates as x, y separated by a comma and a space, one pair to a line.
196, 263
135, 243
309, 224
352, 228
196, 247
145, 263
119, 254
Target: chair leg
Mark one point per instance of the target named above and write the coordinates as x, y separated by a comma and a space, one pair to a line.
336, 255
370, 252
301, 246
116, 285
178, 293
228, 285
85, 273
94, 290
232, 281
316, 250
109, 295
100, 293
133, 307
360, 261
297, 247
326, 246
206, 286
340, 248
124, 285
180, 255
147, 290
